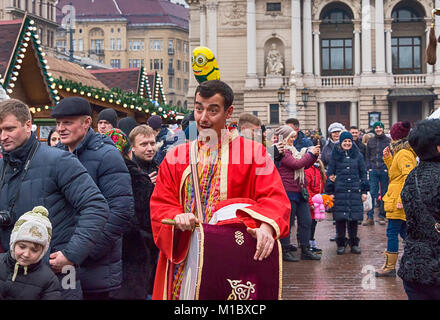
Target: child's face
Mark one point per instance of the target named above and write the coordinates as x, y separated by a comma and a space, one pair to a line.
27, 253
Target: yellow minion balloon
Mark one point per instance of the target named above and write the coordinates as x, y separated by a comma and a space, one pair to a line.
204, 65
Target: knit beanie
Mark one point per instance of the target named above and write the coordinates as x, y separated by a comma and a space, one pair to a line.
127, 124
109, 115
155, 122
378, 123
335, 126
120, 140
284, 131
33, 226
400, 130
345, 135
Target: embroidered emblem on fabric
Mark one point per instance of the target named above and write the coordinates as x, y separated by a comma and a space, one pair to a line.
35, 233
239, 238
437, 227
240, 291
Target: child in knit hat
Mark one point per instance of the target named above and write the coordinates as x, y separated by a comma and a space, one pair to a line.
23, 274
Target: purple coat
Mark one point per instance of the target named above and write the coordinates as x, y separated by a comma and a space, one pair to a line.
288, 166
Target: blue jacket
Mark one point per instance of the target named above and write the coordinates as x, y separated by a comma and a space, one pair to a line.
102, 271
58, 181
351, 182
302, 141
374, 152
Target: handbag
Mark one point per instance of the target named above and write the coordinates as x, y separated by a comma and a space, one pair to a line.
219, 264
305, 194
368, 204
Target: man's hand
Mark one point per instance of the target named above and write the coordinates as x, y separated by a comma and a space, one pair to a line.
265, 240
186, 221
399, 205
58, 261
153, 177
364, 197
332, 178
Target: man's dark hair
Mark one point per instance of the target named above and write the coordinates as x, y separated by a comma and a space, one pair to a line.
293, 121
17, 108
354, 127
209, 88
424, 139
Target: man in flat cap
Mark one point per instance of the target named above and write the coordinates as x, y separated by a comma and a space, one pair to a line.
101, 273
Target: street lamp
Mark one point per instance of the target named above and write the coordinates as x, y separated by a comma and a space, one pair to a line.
304, 98
281, 94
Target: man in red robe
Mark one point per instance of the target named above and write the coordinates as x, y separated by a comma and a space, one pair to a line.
229, 167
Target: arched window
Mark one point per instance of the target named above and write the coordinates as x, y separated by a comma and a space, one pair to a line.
406, 13
337, 15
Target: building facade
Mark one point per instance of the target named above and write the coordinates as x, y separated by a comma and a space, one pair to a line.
152, 34
43, 12
351, 61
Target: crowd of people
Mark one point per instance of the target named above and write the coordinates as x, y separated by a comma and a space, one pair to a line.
92, 204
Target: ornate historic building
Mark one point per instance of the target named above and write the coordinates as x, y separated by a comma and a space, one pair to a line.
149, 34
43, 12
352, 61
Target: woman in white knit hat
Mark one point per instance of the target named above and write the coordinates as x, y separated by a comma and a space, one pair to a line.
23, 274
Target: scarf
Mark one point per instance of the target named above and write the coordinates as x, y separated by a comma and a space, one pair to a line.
299, 173
397, 145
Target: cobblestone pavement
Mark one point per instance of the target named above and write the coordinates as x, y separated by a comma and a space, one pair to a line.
340, 277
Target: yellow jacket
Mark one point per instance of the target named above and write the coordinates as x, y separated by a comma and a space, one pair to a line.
399, 166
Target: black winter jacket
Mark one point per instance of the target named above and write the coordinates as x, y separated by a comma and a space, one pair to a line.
40, 283
59, 182
139, 252
351, 182
420, 262
374, 152
102, 271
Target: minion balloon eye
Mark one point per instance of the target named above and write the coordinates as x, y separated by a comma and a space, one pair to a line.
200, 60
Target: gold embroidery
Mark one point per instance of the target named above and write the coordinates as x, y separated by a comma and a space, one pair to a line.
240, 291
239, 238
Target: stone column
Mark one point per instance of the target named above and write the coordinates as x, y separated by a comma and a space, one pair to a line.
389, 59
307, 36
211, 8
366, 36
202, 25
322, 118
357, 47
394, 111
251, 39
380, 41
316, 48
429, 68
296, 36
353, 113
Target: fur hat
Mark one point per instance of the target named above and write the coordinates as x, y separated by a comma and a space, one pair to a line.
400, 130
109, 115
345, 135
33, 226
284, 131
335, 126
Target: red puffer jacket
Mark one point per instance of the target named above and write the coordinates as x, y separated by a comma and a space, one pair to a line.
315, 185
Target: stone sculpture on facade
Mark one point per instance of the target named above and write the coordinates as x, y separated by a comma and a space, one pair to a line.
274, 62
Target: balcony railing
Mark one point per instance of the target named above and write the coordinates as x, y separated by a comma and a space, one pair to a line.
98, 52
409, 79
337, 81
170, 51
170, 71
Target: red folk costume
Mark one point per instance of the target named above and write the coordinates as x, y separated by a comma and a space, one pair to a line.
315, 185
237, 168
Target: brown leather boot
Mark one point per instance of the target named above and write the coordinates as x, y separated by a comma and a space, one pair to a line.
368, 222
389, 267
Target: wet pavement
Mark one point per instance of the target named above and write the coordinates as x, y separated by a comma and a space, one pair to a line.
342, 277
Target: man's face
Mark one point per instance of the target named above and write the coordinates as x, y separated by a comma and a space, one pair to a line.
209, 113
73, 129
355, 134
378, 130
144, 147
296, 128
13, 134
251, 131
104, 126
